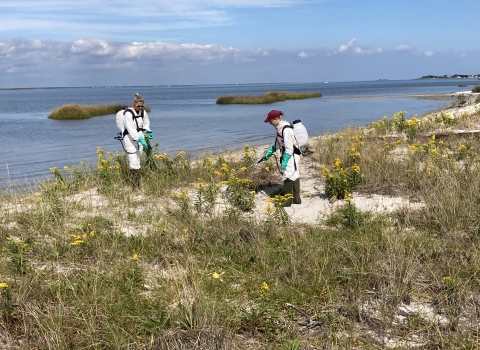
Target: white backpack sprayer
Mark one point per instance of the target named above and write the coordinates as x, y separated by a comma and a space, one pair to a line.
120, 121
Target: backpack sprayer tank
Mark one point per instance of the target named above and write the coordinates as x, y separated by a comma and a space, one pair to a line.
301, 134
119, 119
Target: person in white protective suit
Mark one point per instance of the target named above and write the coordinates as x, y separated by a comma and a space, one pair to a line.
136, 122
290, 155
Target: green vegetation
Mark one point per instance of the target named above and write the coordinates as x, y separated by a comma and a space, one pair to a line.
269, 97
75, 111
182, 263
476, 89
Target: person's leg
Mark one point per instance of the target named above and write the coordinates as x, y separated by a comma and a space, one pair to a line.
134, 163
135, 178
287, 189
296, 192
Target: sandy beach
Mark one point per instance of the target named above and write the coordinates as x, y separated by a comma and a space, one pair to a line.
316, 205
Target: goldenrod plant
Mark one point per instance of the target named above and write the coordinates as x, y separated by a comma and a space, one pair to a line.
277, 213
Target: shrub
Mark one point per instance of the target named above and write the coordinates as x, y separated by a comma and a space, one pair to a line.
340, 183
476, 89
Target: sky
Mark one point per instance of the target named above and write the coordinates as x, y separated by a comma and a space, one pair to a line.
52, 43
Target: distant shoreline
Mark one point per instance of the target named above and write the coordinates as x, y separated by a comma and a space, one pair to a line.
426, 77
436, 97
455, 76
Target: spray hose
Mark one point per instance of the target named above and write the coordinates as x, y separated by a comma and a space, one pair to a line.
120, 138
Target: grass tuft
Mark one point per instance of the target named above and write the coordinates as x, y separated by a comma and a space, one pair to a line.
269, 97
76, 111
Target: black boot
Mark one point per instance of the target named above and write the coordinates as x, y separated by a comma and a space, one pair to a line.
287, 189
135, 178
296, 192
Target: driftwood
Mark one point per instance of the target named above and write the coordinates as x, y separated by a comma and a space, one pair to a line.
309, 322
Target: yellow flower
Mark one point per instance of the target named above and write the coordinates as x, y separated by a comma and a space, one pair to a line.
265, 287
165, 230
218, 276
243, 168
324, 172
135, 257
92, 233
3, 285
356, 168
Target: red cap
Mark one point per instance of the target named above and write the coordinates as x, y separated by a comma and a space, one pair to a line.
272, 115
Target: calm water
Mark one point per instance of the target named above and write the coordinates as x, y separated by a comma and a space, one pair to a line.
187, 118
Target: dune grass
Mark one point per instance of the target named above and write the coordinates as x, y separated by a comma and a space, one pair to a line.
269, 97
76, 111
89, 263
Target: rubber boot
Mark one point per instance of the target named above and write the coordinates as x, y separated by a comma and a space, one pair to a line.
296, 192
135, 178
287, 189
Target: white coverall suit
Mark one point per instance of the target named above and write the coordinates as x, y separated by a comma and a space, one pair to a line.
132, 146
288, 140
291, 173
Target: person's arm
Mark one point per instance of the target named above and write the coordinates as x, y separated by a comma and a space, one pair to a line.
288, 138
146, 121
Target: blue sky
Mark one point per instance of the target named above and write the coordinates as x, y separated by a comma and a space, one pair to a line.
156, 42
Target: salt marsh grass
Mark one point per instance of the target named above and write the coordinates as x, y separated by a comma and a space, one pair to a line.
269, 97
76, 111
89, 263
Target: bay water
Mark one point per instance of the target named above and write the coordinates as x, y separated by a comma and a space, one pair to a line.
187, 118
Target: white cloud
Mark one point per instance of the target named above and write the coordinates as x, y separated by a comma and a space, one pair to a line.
19, 55
304, 55
429, 53
91, 46
61, 19
261, 51
358, 50
344, 48
402, 48
361, 51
